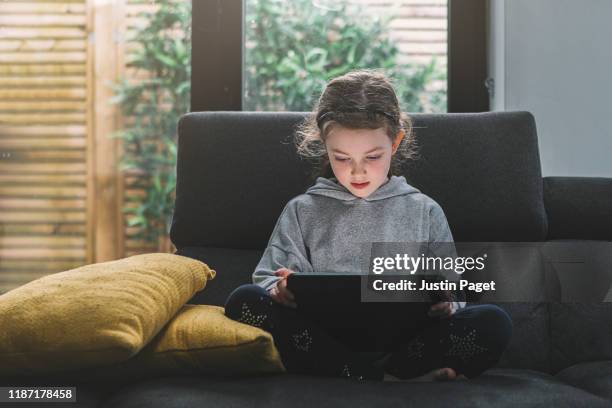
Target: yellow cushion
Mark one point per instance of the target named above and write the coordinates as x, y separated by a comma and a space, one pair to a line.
200, 339
95, 314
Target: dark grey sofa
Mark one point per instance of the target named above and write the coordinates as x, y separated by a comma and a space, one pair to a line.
236, 171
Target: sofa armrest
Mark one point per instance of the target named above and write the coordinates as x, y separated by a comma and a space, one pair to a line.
578, 207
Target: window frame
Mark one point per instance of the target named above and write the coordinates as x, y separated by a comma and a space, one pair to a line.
218, 46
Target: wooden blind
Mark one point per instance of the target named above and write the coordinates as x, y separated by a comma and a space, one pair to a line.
43, 138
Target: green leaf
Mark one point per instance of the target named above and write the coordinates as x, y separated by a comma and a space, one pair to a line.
165, 60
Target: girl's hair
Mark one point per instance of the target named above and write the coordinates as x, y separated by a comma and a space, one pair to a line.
363, 99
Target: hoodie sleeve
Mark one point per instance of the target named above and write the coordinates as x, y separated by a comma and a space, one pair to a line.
286, 249
441, 243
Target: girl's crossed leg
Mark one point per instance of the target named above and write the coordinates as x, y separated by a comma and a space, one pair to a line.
470, 341
304, 346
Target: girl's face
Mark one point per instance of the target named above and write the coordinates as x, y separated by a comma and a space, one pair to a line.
360, 158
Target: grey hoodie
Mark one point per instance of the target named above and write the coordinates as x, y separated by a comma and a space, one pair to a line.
321, 230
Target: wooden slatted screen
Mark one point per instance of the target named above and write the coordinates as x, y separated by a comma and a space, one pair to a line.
43, 139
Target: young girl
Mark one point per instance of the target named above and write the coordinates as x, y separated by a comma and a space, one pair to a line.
359, 136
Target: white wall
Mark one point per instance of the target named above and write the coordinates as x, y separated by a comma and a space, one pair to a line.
554, 59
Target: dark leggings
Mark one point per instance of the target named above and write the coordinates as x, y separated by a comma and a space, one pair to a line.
470, 341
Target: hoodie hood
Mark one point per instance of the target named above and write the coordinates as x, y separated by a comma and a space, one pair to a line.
395, 186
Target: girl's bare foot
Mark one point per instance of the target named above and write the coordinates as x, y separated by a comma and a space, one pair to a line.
440, 374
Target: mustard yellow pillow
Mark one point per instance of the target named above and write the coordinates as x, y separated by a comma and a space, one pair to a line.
200, 339
95, 314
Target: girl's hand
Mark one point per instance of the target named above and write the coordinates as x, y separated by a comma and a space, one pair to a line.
280, 293
443, 310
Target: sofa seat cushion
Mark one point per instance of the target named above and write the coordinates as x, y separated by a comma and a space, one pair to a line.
579, 332
496, 387
594, 376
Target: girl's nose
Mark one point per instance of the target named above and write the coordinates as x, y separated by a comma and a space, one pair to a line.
357, 169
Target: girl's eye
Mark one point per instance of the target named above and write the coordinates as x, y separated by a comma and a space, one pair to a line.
343, 159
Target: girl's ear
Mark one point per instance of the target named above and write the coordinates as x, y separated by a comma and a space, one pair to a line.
398, 140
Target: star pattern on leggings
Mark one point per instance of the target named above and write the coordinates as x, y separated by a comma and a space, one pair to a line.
465, 346
414, 348
346, 373
302, 341
250, 318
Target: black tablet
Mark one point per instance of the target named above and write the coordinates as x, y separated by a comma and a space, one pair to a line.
334, 301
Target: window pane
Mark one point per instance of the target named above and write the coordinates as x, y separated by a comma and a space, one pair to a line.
293, 47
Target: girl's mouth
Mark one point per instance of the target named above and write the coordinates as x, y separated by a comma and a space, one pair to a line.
362, 185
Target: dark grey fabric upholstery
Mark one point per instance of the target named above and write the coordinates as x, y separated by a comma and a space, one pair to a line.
234, 176
495, 388
583, 269
233, 266
580, 332
484, 170
529, 346
572, 211
594, 376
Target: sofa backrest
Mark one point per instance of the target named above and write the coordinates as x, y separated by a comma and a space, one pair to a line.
237, 170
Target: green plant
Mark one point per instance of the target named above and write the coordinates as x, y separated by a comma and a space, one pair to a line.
294, 48
155, 105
